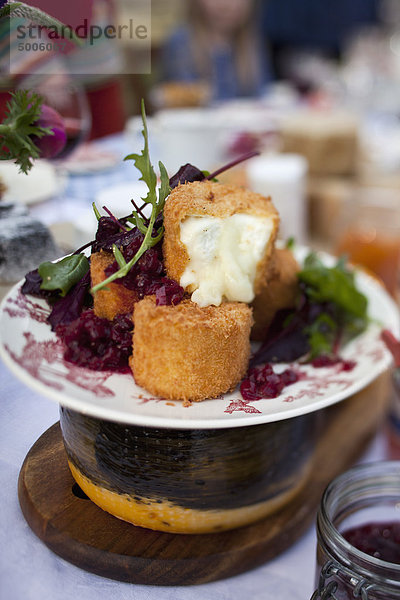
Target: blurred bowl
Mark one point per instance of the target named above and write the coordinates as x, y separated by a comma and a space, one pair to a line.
41, 183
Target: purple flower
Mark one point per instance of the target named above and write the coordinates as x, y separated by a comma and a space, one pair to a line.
50, 145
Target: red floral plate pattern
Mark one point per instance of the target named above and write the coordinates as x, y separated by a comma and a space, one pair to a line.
35, 355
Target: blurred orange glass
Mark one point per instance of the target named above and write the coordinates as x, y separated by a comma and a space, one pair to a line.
393, 426
370, 234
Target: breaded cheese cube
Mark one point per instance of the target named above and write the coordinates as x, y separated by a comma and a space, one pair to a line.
218, 241
114, 299
185, 352
280, 292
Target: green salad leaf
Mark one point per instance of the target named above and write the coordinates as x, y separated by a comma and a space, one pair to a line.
333, 284
321, 334
157, 201
64, 274
290, 243
346, 307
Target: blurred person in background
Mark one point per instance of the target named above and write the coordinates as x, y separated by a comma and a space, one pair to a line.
299, 30
219, 45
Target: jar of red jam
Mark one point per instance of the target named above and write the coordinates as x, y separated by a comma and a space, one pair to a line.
358, 529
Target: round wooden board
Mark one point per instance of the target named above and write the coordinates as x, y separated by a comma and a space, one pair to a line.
80, 532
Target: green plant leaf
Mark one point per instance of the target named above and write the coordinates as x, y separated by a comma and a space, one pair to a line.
64, 274
39, 17
146, 227
143, 163
333, 284
119, 257
321, 335
165, 188
8, 8
290, 243
139, 223
96, 211
18, 126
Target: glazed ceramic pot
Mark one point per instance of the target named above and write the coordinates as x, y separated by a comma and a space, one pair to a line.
189, 480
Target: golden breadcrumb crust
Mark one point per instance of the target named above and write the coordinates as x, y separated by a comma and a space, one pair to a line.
116, 298
212, 199
185, 352
280, 291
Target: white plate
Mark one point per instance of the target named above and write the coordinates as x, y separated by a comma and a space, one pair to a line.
35, 355
41, 183
88, 159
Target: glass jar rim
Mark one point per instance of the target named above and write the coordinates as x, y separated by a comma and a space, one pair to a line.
380, 472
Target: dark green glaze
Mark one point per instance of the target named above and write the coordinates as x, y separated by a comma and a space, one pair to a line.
194, 468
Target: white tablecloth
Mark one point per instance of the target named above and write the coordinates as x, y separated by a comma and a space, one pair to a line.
28, 569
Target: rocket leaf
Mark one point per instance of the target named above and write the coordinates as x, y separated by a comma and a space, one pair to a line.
157, 201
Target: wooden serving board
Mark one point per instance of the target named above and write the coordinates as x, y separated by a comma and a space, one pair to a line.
80, 532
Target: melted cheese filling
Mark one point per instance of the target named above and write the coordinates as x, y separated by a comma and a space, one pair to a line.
223, 256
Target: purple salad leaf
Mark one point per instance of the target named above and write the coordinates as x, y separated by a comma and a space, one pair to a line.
285, 340
32, 285
106, 227
189, 173
308, 330
186, 174
122, 239
68, 308
231, 164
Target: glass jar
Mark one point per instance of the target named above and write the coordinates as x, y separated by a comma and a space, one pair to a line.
393, 429
366, 494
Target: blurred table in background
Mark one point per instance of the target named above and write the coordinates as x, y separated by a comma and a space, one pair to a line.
348, 158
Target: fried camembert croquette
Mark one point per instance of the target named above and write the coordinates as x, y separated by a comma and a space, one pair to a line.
114, 299
218, 241
219, 244
186, 352
280, 292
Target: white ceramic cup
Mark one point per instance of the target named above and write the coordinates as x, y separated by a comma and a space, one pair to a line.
283, 177
180, 136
